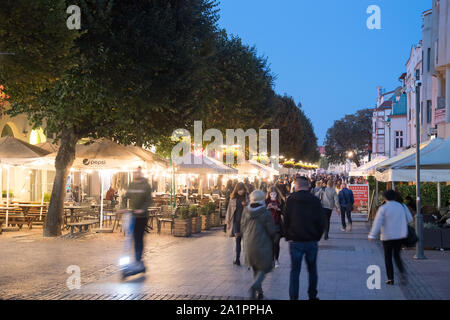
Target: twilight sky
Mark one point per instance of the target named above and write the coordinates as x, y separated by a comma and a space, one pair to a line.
325, 56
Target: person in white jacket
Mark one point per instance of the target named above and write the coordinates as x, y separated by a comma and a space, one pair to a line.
392, 221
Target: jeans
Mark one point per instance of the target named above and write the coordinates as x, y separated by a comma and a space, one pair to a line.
297, 250
138, 235
392, 247
328, 215
346, 212
237, 249
258, 277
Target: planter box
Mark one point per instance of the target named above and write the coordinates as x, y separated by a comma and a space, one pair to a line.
432, 238
182, 227
196, 225
215, 219
206, 222
445, 238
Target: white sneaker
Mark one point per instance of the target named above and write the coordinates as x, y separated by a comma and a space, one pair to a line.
277, 264
343, 229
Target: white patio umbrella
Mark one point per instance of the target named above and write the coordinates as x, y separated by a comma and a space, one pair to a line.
106, 157
15, 152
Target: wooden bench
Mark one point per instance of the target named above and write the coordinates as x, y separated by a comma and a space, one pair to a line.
19, 220
86, 224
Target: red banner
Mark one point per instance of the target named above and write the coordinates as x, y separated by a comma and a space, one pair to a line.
361, 196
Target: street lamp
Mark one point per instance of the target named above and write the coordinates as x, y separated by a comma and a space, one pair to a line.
419, 219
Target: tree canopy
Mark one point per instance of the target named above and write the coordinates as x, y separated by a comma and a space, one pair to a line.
351, 133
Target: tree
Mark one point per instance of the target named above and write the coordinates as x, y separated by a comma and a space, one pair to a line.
138, 74
351, 133
39, 43
296, 131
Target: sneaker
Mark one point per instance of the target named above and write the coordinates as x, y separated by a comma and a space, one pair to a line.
390, 282
349, 227
277, 264
260, 296
343, 229
237, 262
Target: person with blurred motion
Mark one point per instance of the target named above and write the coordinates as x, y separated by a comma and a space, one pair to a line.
392, 221
304, 226
258, 232
238, 201
329, 200
139, 198
346, 201
275, 204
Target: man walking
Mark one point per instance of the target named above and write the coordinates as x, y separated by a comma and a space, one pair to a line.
304, 225
346, 201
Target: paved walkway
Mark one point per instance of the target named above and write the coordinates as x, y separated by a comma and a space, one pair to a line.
201, 267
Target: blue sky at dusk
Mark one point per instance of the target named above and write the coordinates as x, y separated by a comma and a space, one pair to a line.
322, 52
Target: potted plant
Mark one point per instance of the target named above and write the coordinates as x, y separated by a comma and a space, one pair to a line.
215, 215
206, 217
182, 225
432, 237
196, 220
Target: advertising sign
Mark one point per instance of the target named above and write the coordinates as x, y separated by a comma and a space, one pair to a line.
361, 196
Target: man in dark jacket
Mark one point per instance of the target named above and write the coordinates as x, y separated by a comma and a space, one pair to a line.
346, 202
304, 226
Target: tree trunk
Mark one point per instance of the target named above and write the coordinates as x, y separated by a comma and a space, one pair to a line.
63, 162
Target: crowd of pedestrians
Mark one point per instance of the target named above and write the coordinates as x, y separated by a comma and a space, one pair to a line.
299, 209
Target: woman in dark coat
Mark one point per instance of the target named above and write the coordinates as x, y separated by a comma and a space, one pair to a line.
258, 232
238, 200
275, 204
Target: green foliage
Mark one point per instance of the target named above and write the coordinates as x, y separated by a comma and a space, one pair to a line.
184, 213
211, 207
193, 209
204, 210
296, 131
11, 194
351, 133
36, 32
430, 225
428, 193
47, 197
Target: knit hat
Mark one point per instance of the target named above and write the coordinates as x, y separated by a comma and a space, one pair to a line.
257, 196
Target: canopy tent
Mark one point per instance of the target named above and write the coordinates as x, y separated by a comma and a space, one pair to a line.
201, 164
104, 156
50, 147
252, 167
368, 168
13, 152
434, 164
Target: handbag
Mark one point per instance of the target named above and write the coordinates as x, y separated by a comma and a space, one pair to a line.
411, 239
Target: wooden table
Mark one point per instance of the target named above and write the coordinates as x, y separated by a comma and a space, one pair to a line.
72, 209
26, 207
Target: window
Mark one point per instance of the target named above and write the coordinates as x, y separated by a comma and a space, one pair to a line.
423, 62
428, 111
429, 59
398, 139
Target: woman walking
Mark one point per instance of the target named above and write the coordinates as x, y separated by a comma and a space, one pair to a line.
329, 199
258, 232
392, 221
238, 200
275, 204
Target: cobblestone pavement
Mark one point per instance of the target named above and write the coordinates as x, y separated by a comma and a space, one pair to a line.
201, 267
